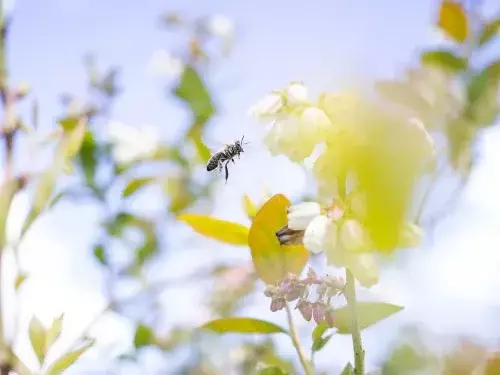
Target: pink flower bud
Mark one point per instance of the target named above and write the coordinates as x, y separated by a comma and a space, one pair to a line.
305, 308
278, 304
318, 310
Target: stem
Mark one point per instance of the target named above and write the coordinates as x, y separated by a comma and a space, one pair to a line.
359, 353
6, 365
296, 343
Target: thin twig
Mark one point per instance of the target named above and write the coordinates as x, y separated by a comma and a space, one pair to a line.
306, 364
359, 352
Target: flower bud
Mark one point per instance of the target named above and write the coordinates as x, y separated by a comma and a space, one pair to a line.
296, 93
306, 309
318, 310
334, 282
268, 107
321, 290
314, 117
278, 304
270, 291
311, 278
297, 291
330, 317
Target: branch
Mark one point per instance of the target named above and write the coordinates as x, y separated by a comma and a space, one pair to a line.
306, 364
359, 352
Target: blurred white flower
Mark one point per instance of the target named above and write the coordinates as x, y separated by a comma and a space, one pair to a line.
320, 229
130, 143
268, 107
411, 236
221, 26
321, 235
164, 64
297, 134
300, 215
296, 93
354, 237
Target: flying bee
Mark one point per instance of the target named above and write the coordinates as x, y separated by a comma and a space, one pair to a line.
222, 157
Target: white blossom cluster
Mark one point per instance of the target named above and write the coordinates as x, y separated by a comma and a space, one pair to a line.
297, 126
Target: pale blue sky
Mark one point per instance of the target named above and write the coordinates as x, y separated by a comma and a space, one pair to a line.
327, 44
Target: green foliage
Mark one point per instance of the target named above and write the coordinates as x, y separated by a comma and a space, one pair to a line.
136, 184
490, 30
369, 313
88, 157
444, 59
38, 338
192, 91
68, 359
144, 336
348, 370
242, 325
319, 337
272, 371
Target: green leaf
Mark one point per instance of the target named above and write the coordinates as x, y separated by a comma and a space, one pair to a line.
319, 341
192, 90
272, 371
60, 365
444, 59
144, 336
482, 90
453, 20
122, 220
369, 313
88, 157
20, 279
348, 369
271, 260
8, 190
37, 335
136, 184
69, 123
222, 230
490, 30
54, 331
73, 139
242, 325
203, 151
100, 254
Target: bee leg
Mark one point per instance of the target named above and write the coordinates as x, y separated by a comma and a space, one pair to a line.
227, 171
233, 161
219, 167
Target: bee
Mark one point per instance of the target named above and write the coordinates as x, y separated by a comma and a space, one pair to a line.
222, 157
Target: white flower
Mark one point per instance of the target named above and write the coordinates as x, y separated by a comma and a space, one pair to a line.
268, 108
296, 93
354, 237
298, 134
221, 26
321, 235
300, 215
164, 64
130, 144
320, 230
411, 235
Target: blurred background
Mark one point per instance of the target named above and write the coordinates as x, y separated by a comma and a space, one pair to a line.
161, 86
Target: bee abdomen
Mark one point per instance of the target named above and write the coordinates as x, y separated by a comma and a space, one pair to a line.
212, 164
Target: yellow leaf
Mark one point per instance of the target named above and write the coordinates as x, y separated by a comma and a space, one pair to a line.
222, 230
453, 20
249, 207
272, 261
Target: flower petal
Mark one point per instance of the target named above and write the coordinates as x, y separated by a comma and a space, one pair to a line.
300, 215
268, 107
296, 93
354, 237
320, 235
